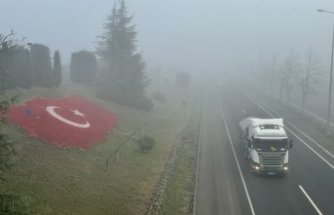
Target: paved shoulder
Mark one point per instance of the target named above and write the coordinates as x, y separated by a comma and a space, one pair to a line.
219, 188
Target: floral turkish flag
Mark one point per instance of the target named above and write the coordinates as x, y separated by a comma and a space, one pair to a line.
68, 122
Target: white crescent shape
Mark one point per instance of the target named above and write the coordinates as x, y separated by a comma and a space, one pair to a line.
51, 110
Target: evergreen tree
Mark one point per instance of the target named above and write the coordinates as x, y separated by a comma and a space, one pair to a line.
41, 65
182, 80
123, 76
83, 68
22, 68
57, 69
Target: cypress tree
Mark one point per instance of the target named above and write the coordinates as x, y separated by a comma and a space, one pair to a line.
57, 69
41, 65
22, 68
83, 68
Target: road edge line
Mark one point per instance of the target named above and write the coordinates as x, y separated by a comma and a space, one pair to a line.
238, 165
303, 133
311, 139
307, 145
312, 149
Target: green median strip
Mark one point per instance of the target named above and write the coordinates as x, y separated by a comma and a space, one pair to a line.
179, 193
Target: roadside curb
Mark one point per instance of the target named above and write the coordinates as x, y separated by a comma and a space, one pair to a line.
194, 206
154, 205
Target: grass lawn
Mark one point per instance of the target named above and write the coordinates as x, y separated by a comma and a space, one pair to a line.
179, 192
73, 181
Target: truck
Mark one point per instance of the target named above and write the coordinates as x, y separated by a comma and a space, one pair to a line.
265, 145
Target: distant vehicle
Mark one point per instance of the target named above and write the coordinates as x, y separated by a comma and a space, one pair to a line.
265, 145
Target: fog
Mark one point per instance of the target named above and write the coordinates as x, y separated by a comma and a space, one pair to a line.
200, 36
160, 130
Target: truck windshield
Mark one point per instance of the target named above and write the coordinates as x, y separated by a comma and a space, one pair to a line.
270, 145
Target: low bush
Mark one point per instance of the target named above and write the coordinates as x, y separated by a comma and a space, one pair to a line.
159, 97
146, 143
123, 97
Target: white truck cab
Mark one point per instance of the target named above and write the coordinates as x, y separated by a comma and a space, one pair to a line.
265, 144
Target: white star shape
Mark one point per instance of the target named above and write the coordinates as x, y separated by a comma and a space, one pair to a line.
78, 113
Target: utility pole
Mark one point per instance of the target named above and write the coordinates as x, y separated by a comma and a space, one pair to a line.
329, 108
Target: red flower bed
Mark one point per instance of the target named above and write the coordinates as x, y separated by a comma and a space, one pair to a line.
67, 122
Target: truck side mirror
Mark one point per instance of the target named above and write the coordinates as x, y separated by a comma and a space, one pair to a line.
249, 143
291, 144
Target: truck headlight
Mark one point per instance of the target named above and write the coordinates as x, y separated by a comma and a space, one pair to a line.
285, 168
256, 166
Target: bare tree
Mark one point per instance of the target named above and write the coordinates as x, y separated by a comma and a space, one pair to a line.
310, 76
273, 70
280, 82
266, 71
288, 75
262, 72
8, 46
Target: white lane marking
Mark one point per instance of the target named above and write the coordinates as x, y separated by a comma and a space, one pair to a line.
244, 112
303, 133
307, 145
312, 149
238, 165
312, 140
310, 200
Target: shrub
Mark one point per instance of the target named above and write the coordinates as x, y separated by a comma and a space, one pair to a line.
146, 143
143, 104
123, 97
159, 97
182, 80
7, 150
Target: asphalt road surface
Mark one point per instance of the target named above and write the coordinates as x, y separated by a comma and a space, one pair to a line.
224, 182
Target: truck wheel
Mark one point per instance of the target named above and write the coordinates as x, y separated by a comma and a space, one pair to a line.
282, 174
245, 151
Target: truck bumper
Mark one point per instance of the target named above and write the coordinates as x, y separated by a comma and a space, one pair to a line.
282, 169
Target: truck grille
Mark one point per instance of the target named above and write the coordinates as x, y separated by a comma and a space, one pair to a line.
272, 169
270, 159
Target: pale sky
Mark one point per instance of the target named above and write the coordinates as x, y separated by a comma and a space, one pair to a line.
195, 35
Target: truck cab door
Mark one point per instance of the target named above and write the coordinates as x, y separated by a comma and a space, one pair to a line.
247, 147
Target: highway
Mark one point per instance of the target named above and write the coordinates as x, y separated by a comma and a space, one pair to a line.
224, 182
